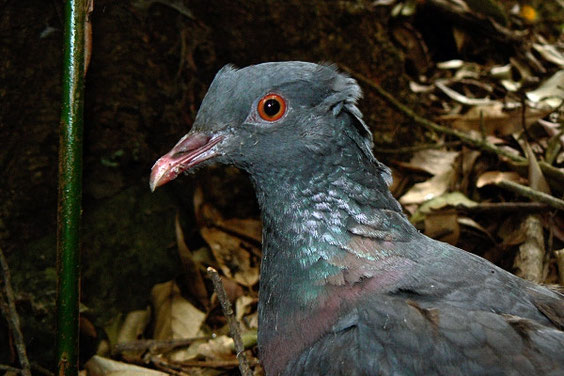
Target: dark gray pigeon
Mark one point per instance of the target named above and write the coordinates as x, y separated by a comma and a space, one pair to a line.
348, 286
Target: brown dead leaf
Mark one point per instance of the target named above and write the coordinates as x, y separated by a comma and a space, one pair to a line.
131, 330
439, 163
248, 228
134, 325
469, 158
443, 226
220, 348
495, 119
536, 177
175, 317
494, 177
428, 190
233, 255
510, 231
243, 306
100, 366
433, 161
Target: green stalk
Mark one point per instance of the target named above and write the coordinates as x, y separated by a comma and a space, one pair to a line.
70, 189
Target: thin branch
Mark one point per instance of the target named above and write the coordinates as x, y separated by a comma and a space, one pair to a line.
531, 193
169, 368
547, 169
37, 369
9, 368
234, 329
209, 363
9, 310
154, 345
496, 207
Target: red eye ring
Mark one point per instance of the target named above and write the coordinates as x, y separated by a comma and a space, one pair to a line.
271, 107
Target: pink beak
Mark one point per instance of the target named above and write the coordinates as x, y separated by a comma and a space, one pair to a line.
192, 149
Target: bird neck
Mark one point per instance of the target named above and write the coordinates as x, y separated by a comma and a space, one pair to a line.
307, 212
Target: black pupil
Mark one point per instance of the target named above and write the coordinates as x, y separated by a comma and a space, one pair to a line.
271, 107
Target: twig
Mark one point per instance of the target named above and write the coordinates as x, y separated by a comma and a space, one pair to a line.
9, 368
531, 193
154, 345
41, 370
234, 329
529, 260
547, 169
487, 207
209, 363
9, 310
163, 365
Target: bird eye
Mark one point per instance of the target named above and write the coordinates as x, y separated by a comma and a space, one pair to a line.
271, 107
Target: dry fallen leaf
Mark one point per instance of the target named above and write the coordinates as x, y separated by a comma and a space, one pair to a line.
428, 190
175, 317
443, 226
248, 227
100, 366
433, 161
495, 119
494, 177
220, 348
132, 329
445, 200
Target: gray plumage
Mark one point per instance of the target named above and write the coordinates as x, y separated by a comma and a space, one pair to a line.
348, 285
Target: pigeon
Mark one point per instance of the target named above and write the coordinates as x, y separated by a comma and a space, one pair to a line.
348, 286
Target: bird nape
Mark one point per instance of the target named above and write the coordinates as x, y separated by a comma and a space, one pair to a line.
348, 285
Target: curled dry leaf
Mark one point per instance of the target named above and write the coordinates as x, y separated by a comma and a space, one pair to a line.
550, 92
433, 161
175, 317
428, 190
445, 200
100, 366
134, 325
494, 177
132, 329
439, 163
220, 348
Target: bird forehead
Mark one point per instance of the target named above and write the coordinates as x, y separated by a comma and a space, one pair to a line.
233, 91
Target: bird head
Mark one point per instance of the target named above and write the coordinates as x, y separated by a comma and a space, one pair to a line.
268, 115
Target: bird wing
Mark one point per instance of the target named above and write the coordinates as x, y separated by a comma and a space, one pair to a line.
390, 335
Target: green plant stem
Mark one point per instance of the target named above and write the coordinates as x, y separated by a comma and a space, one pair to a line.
70, 189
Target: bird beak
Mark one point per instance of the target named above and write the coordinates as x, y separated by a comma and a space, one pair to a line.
192, 149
